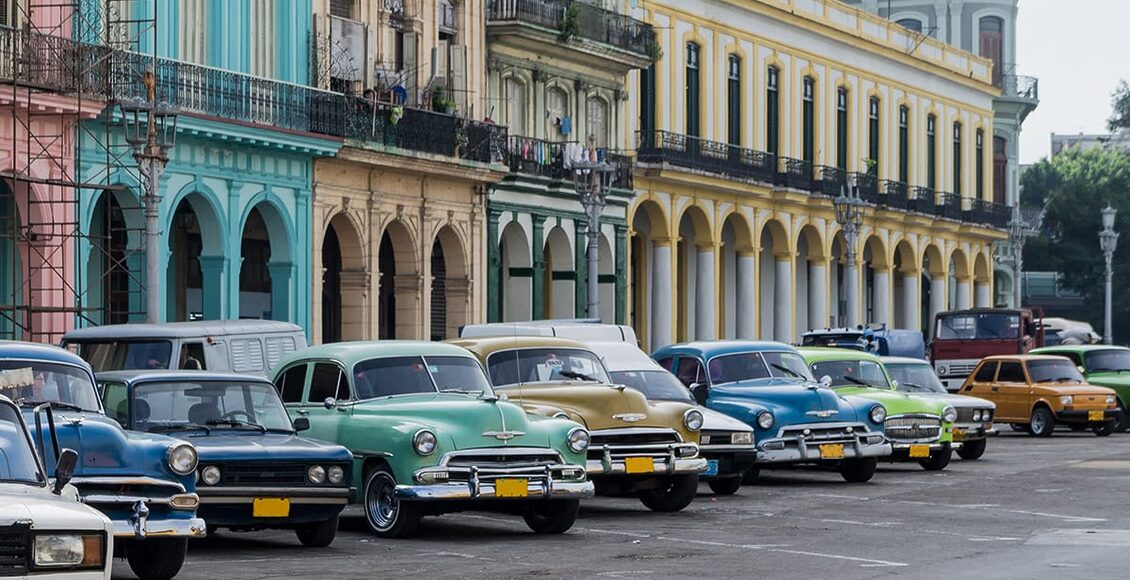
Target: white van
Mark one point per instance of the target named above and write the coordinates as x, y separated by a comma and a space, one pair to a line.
239, 346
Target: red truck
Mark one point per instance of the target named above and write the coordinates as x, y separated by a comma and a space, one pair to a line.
963, 337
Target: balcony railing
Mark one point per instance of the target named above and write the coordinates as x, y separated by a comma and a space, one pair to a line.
52, 63
625, 173
592, 22
832, 180
867, 187
795, 173
922, 201
949, 205
1020, 87
893, 194
531, 156
424, 131
708, 156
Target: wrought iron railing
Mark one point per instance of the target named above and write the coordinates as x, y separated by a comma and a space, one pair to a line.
708, 156
989, 213
52, 63
424, 131
625, 172
866, 187
893, 194
1020, 87
537, 157
795, 173
832, 180
922, 200
580, 19
949, 205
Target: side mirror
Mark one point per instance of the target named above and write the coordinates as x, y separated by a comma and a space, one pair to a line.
301, 424
503, 397
329, 403
1081, 369
894, 384
825, 381
701, 392
64, 469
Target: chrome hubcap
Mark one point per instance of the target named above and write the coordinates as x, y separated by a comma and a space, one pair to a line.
381, 505
1037, 423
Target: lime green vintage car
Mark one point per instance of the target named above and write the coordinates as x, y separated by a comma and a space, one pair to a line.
1103, 365
430, 436
919, 429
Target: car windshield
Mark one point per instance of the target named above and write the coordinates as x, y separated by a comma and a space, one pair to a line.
1112, 360
163, 406
846, 373
539, 365
34, 382
982, 326
17, 456
406, 375
659, 385
787, 365
1053, 371
125, 355
915, 378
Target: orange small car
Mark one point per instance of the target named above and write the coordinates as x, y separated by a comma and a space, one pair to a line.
1036, 392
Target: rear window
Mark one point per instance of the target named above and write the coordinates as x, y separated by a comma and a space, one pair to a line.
1011, 372
126, 355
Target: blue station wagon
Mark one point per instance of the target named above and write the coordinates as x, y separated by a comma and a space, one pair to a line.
255, 471
796, 420
145, 483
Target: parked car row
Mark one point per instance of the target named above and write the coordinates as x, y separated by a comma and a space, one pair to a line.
179, 434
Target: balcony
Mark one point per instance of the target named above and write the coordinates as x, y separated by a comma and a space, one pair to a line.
893, 194
833, 180
565, 20
1020, 88
795, 174
52, 63
666, 148
420, 131
867, 187
540, 158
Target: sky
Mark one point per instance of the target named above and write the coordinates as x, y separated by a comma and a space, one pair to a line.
1079, 49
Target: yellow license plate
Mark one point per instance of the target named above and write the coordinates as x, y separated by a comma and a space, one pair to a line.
919, 450
832, 451
958, 435
270, 507
639, 464
1095, 416
511, 487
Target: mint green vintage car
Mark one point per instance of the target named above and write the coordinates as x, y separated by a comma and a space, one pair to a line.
430, 436
919, 429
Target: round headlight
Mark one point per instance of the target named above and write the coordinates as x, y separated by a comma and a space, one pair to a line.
942, 370
987, 415
560, 415
210, 475
1111, 399
765, 419
335, 474
692, 419
949, 414
182, 459
1066, 400
978, 415
316, 474
578, 440
878, 414
424, 442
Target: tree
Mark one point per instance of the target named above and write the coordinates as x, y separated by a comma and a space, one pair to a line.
1036, 183
1120, 105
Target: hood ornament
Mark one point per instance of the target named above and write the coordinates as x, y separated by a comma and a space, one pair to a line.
630, 417
503, 435
822, 414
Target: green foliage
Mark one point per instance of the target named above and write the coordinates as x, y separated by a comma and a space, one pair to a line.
1120, 105
655, 50
571, 23
1036, 183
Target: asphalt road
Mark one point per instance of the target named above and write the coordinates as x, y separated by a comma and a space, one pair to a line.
1029, 508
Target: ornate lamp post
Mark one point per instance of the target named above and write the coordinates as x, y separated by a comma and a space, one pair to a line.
1017, 232
1108, 241
849, 214
151, 129
592, 180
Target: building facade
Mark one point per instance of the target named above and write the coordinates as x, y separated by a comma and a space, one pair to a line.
757, 117
557, 78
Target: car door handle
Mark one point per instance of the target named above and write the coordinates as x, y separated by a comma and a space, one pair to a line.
302, 412
994, 389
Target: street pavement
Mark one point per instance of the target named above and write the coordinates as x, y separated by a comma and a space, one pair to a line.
1030, 507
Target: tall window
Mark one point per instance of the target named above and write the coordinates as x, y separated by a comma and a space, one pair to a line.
772, 112
980, 164
647, 106
1000, 168
841, 128
734, 101
931, 153
957, 158
692, 99
992, 44
515, 106
597, 122
904, 144
873, 135
557, 108
911, 24
809, 113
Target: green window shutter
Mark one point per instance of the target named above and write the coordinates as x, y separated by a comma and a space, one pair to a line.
980, 164
957, 158
734, 96
904, 145
647, 106
873, 135
692, 99
931, 154
841, 129
809, 114
772, 113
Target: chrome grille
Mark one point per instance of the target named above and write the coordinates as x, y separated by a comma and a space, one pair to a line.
838, 434
912, 428
960, 369
633, 437
965, 415
503, 460
14, 543
494, 463
267, 474
717, 437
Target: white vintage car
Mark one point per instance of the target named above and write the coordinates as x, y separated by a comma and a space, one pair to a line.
45, 532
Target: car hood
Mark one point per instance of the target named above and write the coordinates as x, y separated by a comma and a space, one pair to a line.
714, 421
255, 446
463, 421
959, 401
600, 406
46, 510
896, 403
1070, 389
790, 403
1117, 381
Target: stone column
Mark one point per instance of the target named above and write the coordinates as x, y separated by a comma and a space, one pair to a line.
938, 300
580, 267
409, 314
281, 304
881, 298
212, 271
982, 295
912, 300
746, 272
961, 301
704, 310
494, 268
661, 294
537, 258
818, 293
783, 299
621, 263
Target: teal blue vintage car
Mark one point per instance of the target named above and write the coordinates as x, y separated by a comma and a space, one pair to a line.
430, 436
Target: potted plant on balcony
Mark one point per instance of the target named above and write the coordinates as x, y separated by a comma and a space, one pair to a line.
440, 102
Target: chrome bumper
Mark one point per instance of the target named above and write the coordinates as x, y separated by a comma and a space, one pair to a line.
797, 449
186, 528
973, 432
667, 459
296, 495
543, 489
934, 446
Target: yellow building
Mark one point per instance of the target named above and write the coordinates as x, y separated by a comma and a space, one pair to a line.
758, 116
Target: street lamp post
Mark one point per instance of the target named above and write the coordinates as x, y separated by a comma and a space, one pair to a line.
150, 128
592, 180
1017, 232
1108, 241
849, 214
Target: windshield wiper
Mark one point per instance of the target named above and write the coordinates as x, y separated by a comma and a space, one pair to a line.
25, 402
1058, 380
787, 370
236, 423
461, 391
859, 382
179, 427
1127, 370
577, 376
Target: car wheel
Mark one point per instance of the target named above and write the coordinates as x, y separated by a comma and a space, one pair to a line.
938, 460
859, 470
1042, 423
552, 516
388, 517
156, 559
673, 494
973, 450
1105, 429
727, 486
750, 476
317, 534
1121, 424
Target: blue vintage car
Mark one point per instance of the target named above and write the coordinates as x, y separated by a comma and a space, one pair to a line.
796, 420
145, 483
255, 471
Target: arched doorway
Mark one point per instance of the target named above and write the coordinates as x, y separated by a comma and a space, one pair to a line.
196, 262
331, 287
450, 286
811, 281
650, 273
877, 284
13, 297
344, 296
516, 291
398, 312
960, 291
908, 296
696, 276
560, 289
739, 279
776, 283
114, 291
266, 270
